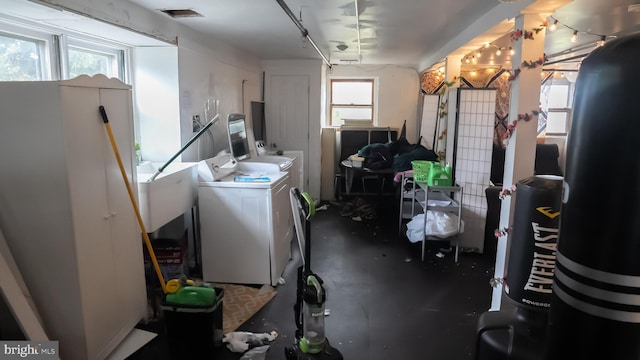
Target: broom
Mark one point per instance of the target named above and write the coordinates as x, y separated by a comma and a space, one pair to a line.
147, 242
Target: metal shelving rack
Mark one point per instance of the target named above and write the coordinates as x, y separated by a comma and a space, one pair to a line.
420, 194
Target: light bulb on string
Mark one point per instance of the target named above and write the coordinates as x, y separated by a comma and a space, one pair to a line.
499, 52
603, 40
553, 26
511, 51
466, 60
574, 37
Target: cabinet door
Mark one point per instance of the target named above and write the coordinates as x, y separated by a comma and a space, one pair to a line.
85, 144
107, 240
126, 235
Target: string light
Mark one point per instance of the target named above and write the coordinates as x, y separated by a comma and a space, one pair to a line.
511, 51
499, 52
574, 35
603, 40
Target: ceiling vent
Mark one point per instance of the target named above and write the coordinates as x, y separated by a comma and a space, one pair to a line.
181, 13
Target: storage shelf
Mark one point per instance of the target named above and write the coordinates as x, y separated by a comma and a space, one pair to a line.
422, 197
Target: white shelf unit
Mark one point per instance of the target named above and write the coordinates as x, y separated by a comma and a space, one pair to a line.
418, 196
65, 209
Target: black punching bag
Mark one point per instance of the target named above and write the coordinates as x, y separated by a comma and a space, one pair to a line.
595, 308
532, 256
519, 334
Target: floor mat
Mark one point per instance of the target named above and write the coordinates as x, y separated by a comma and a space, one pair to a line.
241, 302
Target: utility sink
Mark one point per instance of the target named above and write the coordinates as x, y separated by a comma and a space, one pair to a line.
172, 193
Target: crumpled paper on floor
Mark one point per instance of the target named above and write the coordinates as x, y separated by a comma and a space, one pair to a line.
241, 341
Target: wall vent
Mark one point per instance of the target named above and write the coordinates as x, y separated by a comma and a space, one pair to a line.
181, 13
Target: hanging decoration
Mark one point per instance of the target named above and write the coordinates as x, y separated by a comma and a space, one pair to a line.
506, 192
442, 114
501, 232
512, 127
527, 64
529, 34
531, 64
517, 34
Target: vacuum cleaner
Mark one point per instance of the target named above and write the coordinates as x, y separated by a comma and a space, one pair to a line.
311, 295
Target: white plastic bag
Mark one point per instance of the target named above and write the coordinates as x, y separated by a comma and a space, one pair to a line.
439, 224
257, 353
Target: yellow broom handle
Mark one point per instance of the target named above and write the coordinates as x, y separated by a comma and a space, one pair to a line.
147, 242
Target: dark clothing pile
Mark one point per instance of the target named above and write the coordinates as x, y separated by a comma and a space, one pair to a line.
397, 154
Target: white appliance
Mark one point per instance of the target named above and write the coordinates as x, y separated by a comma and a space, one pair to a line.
291, 161
246, 227
65, 212
243, 148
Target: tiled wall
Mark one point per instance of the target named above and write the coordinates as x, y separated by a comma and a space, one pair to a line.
473, 160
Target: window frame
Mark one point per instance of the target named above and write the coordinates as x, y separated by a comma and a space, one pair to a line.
373, 107
120, 53
567, 110
47, 52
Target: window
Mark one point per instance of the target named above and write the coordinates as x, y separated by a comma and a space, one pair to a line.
29, 52
352, 102
91, 58
22, 58
556, 99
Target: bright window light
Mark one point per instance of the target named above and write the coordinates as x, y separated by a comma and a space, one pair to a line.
21, 58
352, 102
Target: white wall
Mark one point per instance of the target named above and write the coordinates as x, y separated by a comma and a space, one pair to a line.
398, 91
204, 75
156, 106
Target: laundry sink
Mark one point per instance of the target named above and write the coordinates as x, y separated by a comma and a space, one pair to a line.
172, 193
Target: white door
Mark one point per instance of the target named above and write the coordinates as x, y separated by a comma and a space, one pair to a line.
287, 115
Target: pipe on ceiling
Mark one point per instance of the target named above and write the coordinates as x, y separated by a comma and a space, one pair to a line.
303, 30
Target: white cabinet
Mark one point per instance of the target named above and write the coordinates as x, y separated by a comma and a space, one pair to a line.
246, 230
65, 210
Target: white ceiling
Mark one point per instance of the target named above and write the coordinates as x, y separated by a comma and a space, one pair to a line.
416, 33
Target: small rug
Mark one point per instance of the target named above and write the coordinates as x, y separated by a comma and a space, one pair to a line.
241, 302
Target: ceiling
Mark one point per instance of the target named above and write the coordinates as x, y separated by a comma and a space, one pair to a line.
414, 33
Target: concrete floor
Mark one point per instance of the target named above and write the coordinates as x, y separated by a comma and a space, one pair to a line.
384, 302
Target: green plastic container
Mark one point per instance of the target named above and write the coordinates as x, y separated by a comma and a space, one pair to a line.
193, 295
421, 169
439, 176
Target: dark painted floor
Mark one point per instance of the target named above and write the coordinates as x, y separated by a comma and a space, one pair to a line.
384, 302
